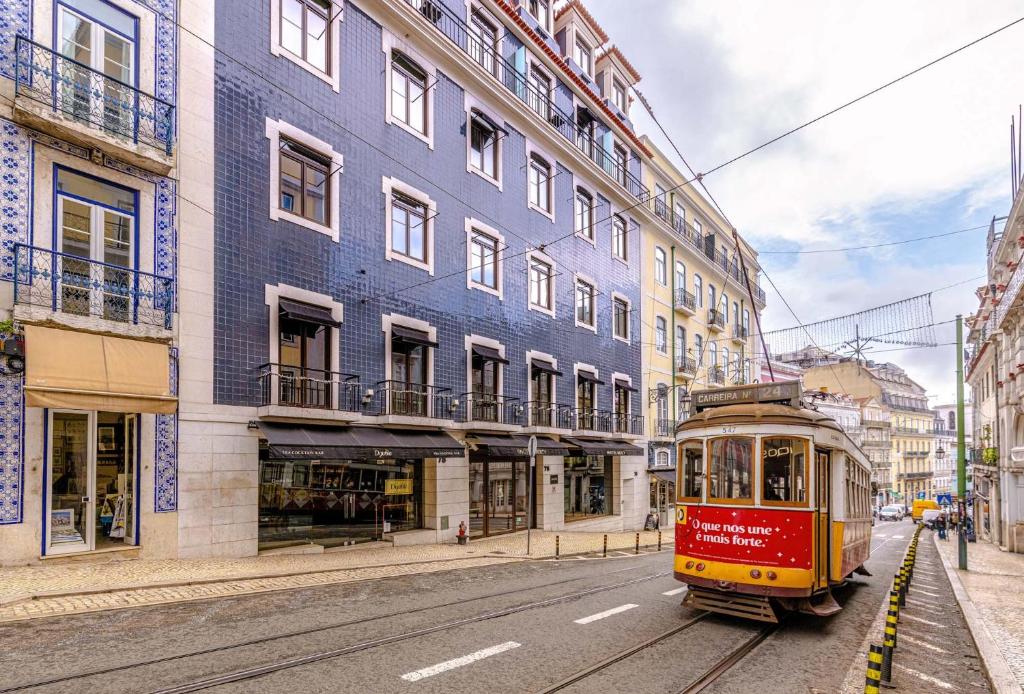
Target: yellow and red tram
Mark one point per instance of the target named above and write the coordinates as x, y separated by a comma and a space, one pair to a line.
773, 503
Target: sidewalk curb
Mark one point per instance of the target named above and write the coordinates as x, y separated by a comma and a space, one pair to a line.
997, 669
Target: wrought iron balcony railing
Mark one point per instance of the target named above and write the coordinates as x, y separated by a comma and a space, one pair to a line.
740, 332
297, 386
88, 96
716, 375
623, 423
716, 320
74, 285
686, 301
490, 408
665, 427
415, 400
548, 414
686, 365
592, 420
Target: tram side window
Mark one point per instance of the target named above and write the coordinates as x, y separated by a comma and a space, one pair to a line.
784, 462
691, 472
732, 469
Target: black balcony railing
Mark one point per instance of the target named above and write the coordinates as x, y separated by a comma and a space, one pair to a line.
415, 400
914, 475
490, 408
661, 209
91, 97
686, 365
548, 414
716, 319
686, 301
516, 81
623, 423
716, 376
79, 286
297, 386
586, 419
739, 332
664, 427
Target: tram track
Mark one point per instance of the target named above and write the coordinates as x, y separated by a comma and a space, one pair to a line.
259, 671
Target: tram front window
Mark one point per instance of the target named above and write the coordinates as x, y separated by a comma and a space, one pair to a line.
691, 470
732, 466
785, 471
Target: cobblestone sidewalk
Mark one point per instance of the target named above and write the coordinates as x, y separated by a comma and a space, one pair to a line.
54, 589
993, 583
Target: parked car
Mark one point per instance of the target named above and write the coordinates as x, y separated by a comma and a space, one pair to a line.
892, 513
928, 517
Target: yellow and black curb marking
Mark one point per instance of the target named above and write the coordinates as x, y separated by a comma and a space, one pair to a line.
880, 657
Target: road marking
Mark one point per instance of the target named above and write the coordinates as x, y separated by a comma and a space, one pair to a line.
923, 621
606, 613
417, 675
926, 678
919, 642
898, 537
923, 592
675, 591
881, 536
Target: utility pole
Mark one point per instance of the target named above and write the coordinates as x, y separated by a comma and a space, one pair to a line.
961, 457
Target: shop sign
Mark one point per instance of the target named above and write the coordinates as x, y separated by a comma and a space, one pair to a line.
767, 537
399, 486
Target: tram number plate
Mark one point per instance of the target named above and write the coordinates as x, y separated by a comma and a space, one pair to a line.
728, 430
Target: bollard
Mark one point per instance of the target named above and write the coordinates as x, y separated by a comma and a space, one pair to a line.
874, 675
894, 603
637, 544
889, 631
605, 553
557, 547
903, 591
887, 645
659, 540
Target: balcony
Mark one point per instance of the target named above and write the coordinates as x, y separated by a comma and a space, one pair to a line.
716, 321
89, 294
296, 391
486, 409
739, 334
69, 99
630, 424
401, 399
547, 415
916, 454
685, 302
585, 419
716, 376
686, 366
882, 442
915, 475
518, 85
662, 210
664, 428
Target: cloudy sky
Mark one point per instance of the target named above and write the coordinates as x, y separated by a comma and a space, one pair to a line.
927, 156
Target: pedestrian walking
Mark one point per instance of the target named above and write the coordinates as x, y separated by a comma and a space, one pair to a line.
940, 525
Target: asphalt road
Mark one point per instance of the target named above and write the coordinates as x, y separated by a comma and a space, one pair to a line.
510, 628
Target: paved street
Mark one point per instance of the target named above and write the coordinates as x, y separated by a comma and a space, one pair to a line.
518, 627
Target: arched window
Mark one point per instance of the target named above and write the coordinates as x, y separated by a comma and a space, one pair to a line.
660, 334
661, 459
698, 289
660, 266
680, 275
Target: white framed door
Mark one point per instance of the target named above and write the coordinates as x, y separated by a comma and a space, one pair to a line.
131, 457
70, 519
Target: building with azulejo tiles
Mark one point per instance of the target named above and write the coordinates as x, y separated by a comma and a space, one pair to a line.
306, 273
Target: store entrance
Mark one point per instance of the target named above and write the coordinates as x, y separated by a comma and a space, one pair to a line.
91, 467
498, 497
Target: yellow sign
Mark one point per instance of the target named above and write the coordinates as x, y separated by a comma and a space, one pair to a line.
398, 486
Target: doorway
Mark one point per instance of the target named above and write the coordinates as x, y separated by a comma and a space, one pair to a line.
498, 497
92, 465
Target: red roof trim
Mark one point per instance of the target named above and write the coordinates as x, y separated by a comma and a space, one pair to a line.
540, 43
614, 51
587, 17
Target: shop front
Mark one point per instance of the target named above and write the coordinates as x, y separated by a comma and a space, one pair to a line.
333, 486
588, 479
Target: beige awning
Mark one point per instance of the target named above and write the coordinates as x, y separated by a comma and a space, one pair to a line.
83, 371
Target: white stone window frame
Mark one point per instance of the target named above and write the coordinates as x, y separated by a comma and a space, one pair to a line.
552, 294
389, 319
656, 348
389, 186
628, 380
471, 103
390, 43
275, 130
475, 225
577, 279
481, 341
629, 322
664, 254
334, 44
272, 294
543, 356
531, 150
589, 368
577, 184
613, 215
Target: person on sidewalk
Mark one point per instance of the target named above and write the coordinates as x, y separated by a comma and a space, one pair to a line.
940, 525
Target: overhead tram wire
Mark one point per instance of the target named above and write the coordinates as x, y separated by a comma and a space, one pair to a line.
875, 245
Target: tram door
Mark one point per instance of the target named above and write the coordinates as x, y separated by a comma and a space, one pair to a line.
823, 488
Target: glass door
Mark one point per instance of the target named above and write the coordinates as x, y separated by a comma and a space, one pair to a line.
71, 517
131, 424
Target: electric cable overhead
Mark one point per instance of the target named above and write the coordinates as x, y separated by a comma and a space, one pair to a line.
875, 245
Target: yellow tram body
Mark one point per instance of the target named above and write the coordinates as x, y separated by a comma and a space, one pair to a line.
773, 503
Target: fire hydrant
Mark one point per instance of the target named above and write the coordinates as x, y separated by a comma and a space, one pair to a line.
463, 538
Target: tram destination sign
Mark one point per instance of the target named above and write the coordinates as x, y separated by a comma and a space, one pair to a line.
786, 392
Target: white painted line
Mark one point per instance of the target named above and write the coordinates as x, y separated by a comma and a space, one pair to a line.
898, 537
459, 662
882, 536
675, 591
606, 613
924, 677
919, 642
923, 621
914, 589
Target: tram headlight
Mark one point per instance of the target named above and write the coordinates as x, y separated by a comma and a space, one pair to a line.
700, 566
754, 573
772, 576
689, 565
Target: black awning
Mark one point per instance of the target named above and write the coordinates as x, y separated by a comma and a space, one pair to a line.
584, 116
603, 447
487, 121
544, 366
665, 475
296, 442
489, 354
589, 377
415, 337
296, 310
516, 446
625, 386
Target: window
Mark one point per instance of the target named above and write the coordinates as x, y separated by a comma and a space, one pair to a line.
661, 404
661, 459
679, 216
540, 285
539, 10
698, 229
485, 380
660, 335
483, 41
680, 276
620, 246
621, 318
539, 94
582, 56
619, 95
584, 303
304, 31
588, 487
584, 214
952, 421
304, 377
691, 470
746, 321
736, 313
303, 184
621, 406
732, 467
712, 355
784, 471
698, 290
725, 360
483, 145
711, 297
408, 227
660, 266
408, 93
408, 388
621, 160
680, 347
698, 347
540, 184
725, 307
483, 268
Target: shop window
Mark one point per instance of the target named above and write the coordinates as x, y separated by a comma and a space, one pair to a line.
691, 470
587, 483
784, 463
732, 468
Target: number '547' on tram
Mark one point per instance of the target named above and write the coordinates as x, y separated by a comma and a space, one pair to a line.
774, 503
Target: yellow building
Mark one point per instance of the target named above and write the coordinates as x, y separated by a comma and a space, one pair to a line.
699, 323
